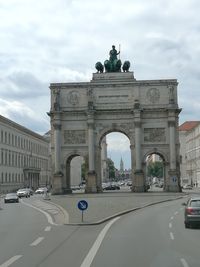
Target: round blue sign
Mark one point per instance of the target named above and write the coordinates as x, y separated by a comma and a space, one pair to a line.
82, 205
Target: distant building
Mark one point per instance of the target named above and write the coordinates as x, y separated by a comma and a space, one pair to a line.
122, 174
121, 166
24, 157
104, 165
189, 136
76, 175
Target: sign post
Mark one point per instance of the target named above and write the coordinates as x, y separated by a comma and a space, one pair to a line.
82, 205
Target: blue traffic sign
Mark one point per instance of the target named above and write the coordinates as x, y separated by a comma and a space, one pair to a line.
82, 205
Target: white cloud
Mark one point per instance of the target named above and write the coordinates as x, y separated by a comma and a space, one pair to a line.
117, 142
61, 40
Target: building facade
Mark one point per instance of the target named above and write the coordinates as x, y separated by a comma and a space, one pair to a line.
24, 157
189, 135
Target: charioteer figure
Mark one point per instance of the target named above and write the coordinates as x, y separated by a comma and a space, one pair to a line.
113, 64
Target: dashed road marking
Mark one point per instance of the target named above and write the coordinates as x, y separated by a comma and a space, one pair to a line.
172, 236
47, 229
10, 261
183, 261
175, 213
170, 225
172, 218
37, 241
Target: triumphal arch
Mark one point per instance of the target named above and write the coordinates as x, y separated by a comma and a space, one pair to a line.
82, 113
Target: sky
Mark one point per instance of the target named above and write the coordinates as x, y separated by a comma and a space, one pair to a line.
43, 42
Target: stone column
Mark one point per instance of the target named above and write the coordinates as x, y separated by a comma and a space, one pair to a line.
172, 183
138, 185
137, 146
91, 186
57, 136
57, 177
172, 145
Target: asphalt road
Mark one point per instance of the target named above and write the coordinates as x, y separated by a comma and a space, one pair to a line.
150, 237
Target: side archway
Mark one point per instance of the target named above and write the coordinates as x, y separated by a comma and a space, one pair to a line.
155, 169
72, 170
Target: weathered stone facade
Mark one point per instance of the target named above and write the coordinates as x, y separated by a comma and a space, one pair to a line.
146, 111
24, 157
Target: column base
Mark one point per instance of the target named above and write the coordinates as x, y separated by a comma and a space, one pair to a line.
173, 182
138, 182
172, 188
67, 191
57, 184
91, 185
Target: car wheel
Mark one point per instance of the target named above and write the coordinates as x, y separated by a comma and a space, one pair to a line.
187, 225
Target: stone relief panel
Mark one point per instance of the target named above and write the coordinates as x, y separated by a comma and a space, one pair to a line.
154, 135
73, 97
153, 95
74, 137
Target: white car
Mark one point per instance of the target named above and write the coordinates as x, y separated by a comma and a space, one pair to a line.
41, 190
24, 192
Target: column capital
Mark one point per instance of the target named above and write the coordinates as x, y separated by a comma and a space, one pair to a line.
171, 122
137, 123
57, 126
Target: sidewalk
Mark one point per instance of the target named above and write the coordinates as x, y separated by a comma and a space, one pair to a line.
104, 206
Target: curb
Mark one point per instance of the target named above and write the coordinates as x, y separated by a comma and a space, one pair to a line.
123, 212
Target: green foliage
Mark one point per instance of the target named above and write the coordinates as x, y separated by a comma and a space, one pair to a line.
83, 171
155, 169
111, 168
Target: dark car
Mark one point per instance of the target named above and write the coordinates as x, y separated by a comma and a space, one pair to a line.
11, 198
112, 187
192, 212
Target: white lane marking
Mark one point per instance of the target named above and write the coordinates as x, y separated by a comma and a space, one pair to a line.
47, 229
183, 261
10, 261
50, 220
170, 225
66, 214
172, 236
37, 241
175, 213
91, 254
181, 208
172, 218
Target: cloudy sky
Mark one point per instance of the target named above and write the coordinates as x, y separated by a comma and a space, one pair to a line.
61, 40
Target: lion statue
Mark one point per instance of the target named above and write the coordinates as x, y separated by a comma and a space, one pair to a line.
99, 67
126, 66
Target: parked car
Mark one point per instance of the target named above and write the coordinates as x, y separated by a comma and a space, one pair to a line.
192, 212
11, 198
41, 190
23, 192
187, 186
112, 187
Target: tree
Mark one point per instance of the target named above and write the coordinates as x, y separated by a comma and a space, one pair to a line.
111, 168
155, 169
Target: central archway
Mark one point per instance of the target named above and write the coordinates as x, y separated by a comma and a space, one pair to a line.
115, 161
